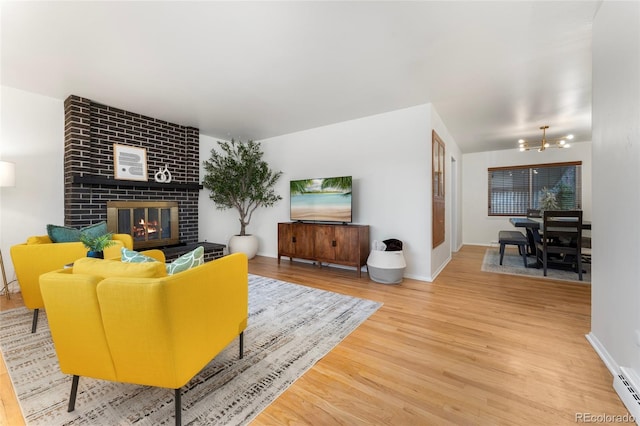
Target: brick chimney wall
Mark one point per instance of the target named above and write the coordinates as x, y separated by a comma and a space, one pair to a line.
91, 129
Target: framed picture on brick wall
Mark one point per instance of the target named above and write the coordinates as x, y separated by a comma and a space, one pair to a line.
129, 162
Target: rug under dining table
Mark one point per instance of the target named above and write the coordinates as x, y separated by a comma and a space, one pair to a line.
512, 265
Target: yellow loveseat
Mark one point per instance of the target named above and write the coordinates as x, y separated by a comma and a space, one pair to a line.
39, 255
129, 322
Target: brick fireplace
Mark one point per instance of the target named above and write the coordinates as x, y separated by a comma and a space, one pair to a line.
91, 130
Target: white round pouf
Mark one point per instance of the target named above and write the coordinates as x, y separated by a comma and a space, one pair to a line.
247, 244
386, 267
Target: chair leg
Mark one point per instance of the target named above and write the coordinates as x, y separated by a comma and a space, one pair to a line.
34, 322
241, 344
178, 399
579, 260
523, 251
544, 263
501, 252
74, 392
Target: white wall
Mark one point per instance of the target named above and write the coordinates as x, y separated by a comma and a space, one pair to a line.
389, 157
214, 225
482, 229
615, 294
32, 135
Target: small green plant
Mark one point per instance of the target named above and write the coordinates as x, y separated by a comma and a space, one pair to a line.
98, 243
548, 200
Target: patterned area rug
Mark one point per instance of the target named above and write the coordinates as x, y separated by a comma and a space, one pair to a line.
512, 264
290, 328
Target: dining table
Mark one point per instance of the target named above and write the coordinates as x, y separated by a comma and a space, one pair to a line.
532, 226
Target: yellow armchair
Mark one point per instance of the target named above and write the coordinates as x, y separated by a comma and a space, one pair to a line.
39, 255
126, 322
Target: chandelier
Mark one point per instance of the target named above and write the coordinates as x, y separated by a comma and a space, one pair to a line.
546, 143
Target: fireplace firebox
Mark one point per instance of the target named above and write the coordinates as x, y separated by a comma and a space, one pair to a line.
150, 223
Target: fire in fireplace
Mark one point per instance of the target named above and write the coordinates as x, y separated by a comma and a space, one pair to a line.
150, 223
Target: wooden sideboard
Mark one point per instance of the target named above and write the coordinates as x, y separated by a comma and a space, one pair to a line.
339, 244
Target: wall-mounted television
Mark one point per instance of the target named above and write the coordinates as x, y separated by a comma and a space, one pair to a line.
322, 199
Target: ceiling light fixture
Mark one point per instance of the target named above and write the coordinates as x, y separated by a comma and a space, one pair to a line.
546, 143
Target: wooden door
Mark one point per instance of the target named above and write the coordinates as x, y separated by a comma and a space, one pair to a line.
437, 200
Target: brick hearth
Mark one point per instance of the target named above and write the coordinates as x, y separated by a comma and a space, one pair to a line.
91, 129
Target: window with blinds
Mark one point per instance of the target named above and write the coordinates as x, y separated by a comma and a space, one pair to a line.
513, 190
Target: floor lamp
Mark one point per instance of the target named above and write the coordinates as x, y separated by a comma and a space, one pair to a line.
7, 178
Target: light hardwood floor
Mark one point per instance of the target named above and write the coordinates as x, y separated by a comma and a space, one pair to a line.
471, 348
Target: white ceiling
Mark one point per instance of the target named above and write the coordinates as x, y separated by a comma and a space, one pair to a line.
495, 71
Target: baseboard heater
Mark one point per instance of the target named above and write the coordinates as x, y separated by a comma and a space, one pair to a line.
627, 391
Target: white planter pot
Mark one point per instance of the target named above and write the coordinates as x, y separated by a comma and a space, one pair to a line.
247, 244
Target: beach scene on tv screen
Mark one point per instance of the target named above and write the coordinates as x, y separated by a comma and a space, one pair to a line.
327, 199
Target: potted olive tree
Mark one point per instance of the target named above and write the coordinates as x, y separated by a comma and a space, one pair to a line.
238, 177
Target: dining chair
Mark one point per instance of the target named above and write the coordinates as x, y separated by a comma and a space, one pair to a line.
561, 243
533, 213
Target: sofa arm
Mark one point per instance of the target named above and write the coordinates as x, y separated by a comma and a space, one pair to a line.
162, 331
32, 260
76, 324
156, 254
126, 240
